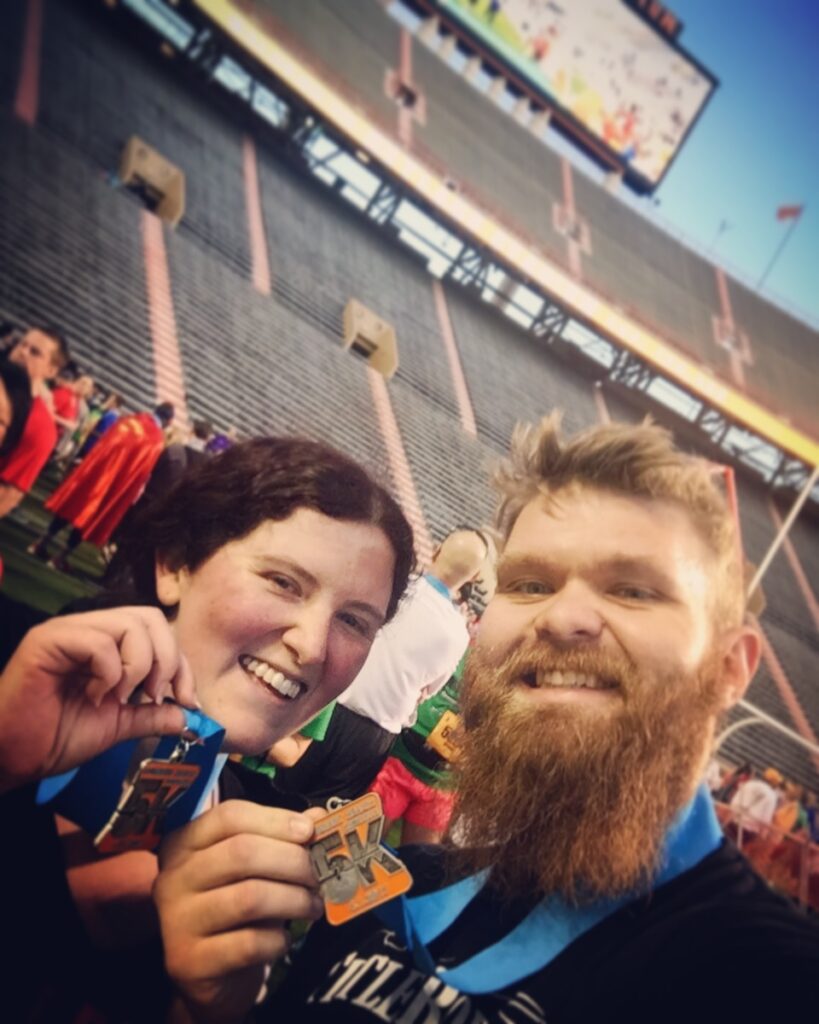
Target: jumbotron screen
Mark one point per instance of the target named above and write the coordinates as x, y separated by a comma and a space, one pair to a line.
619, 77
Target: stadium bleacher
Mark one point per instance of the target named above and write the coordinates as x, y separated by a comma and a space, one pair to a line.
633, 262
71, 248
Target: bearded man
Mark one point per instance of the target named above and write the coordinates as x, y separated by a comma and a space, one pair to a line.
585, 877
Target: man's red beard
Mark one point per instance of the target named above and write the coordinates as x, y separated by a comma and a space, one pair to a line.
571, 799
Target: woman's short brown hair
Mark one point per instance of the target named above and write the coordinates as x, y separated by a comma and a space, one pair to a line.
230, 494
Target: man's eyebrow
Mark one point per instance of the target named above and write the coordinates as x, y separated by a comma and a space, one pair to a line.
513, 563
644, 569
640, 568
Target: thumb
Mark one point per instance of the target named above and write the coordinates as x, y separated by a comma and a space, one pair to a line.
138, 720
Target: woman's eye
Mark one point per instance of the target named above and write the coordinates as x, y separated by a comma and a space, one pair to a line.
283, 583
361, 626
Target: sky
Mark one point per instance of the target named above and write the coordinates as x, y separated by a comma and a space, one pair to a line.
755, 147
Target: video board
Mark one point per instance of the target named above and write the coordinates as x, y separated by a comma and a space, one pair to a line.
611, 66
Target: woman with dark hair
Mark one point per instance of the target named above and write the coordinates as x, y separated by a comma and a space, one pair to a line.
275, 564
15, 403
243, 540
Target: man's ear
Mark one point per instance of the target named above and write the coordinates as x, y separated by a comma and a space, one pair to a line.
742, 649
169, 584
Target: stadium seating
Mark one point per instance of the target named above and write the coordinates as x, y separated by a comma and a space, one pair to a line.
71, 249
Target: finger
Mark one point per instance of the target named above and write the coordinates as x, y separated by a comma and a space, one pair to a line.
218, 955
158, 683
248, 856
91, 652
137, 652
232, 818
249, 902
183, 686
138, 720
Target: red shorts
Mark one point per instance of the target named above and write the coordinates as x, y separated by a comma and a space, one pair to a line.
404, 796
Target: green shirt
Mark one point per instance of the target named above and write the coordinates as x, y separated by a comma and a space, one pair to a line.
434, 771
315, 729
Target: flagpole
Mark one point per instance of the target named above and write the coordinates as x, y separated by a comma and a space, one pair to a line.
784, 241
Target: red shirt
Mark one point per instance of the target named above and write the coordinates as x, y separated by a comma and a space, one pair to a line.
25, 461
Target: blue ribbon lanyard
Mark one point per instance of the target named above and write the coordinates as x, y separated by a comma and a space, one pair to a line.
89, 794
550, 927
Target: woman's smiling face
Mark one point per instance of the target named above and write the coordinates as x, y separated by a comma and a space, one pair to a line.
278, 623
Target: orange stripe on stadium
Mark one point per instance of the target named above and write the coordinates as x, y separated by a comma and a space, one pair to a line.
459, 384
796, 567
170, 381
27, 98
255, 221
399, 466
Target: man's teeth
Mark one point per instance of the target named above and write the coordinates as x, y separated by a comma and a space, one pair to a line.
271, 677
574, 679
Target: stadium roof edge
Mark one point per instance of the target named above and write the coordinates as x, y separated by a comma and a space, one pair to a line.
488, 231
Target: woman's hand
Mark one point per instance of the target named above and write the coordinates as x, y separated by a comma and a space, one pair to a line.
64, 693
228, 884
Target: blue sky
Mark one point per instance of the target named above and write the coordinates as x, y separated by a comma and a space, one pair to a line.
756, 147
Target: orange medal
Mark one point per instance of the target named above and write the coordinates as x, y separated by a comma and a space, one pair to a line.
355, 872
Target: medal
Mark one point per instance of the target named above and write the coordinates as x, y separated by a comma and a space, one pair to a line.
355, 871
136, 823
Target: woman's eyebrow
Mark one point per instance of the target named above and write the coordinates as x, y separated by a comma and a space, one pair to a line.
288, 565
370, 610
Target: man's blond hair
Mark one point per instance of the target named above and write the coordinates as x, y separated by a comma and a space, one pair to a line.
638, 461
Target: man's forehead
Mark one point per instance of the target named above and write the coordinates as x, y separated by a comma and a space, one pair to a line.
591, 523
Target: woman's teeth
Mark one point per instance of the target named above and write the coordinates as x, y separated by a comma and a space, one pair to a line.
272, 678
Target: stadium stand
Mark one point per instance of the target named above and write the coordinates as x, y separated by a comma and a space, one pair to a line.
633, 262
72, 251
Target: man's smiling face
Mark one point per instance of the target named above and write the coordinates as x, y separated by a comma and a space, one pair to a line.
591, 697
598, 593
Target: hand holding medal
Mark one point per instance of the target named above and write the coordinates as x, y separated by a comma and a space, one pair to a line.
64, 694
230, 881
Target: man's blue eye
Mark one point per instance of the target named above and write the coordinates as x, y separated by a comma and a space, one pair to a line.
532, 587
633, 593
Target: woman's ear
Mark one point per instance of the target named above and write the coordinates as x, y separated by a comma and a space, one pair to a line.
168, 584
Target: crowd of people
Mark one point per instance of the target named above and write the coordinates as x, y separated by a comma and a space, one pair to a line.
268, 645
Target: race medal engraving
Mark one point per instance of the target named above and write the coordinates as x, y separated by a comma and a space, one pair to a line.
136, 822
444, 737
355, 872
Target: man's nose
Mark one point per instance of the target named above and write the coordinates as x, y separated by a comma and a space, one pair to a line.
308, 635
569, 617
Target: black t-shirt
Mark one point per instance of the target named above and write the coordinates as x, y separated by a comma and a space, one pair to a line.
715, 944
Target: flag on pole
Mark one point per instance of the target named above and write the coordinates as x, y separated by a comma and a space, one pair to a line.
789, 212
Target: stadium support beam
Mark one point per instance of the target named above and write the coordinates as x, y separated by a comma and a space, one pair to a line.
383, 204
550, 322
783, 533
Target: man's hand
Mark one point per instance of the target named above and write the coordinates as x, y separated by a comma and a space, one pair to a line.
64, 693
228, 883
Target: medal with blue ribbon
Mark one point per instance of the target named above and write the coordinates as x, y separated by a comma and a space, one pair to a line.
129, 803
550, 927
